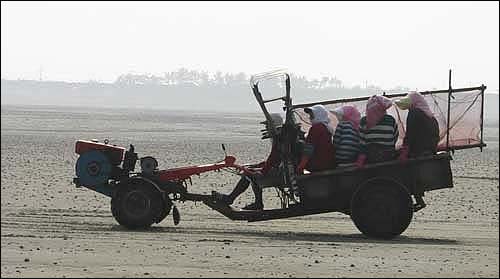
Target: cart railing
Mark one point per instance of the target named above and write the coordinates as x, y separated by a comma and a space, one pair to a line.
459, 112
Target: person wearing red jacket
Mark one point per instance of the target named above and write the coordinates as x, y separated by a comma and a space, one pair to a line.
265, 169
319, 151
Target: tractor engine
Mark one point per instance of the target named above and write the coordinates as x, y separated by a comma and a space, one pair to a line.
99, 162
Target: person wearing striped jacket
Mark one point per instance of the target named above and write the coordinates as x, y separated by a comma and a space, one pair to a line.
346, 137
378, 132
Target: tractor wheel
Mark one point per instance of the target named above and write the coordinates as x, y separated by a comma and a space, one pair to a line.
381, 208
138, 204
166, 207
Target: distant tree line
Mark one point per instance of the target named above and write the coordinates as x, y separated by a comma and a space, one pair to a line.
196, 78
181, 89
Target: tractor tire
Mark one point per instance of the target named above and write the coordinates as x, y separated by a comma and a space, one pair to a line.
167, 207
138, 204
381, 208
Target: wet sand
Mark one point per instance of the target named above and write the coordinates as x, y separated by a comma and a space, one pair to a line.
49, 228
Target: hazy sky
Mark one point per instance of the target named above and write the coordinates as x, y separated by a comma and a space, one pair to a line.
384, 43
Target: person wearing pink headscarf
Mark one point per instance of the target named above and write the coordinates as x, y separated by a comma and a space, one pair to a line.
422, 134
346, 137
378, 132
422, 128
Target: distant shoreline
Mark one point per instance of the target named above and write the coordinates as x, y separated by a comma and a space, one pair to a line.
79, 108
490, 123
179, 94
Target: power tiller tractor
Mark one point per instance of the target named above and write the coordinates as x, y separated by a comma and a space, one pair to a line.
139, 199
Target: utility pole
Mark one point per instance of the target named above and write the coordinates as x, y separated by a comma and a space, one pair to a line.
40, 72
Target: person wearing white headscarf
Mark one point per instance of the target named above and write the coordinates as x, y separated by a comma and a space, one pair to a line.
319, 114
319, 152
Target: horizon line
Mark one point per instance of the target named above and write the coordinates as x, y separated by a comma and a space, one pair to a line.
104, 82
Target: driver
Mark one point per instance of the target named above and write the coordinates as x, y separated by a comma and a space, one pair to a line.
265, 169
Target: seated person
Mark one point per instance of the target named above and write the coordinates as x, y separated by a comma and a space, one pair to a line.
422, 133
346, 137
422, 128
266, 169
378, 132
319, 152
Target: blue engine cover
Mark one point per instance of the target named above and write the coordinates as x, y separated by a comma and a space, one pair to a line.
93, 168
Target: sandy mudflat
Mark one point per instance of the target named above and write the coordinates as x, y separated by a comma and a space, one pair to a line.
49, 228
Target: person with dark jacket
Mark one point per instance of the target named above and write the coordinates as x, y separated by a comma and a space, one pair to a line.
422, 128
422, 133
264, 170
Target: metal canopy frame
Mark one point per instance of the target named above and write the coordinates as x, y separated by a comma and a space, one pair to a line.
289, 175
254, 83
448, 91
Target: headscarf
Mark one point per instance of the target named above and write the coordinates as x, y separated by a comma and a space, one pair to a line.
376, 109
348, 113
418, 102
320, 116
415, 100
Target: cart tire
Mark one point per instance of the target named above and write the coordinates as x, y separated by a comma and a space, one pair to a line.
381, 208
138, 204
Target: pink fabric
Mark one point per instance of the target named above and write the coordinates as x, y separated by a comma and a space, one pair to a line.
352, 115
376, 109
418, 102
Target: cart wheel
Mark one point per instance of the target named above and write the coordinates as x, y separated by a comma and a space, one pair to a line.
138, 204
381, 208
